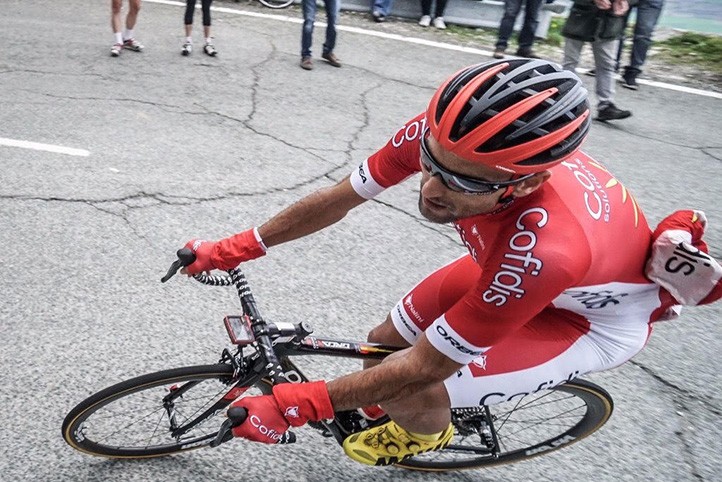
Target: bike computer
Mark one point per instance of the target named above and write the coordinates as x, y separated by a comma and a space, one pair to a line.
239, 329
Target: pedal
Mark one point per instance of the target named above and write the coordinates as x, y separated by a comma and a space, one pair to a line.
325, 432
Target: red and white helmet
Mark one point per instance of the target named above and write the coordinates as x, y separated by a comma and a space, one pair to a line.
521, 116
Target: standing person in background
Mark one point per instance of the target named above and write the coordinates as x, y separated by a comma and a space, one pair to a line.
380, 9
425, 20
309, 16
648, 12
526, 35
124, 39
209, 48
600, 22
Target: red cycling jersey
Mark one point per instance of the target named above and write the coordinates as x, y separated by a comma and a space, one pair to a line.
576, 246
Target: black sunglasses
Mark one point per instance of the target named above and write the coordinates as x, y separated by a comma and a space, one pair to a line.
458, 182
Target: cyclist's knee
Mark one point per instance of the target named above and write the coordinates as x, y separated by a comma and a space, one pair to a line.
386, 334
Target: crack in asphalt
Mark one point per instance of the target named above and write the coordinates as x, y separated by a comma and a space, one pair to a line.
705, 400
713, 156
687, 453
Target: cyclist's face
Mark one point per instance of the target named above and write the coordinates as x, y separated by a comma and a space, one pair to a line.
439, 204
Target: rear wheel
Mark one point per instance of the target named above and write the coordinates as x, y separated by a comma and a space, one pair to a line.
156, 414
533, 425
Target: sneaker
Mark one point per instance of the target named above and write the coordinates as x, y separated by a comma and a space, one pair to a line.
529, 54
629, 80
187, 49
425, 21
591, 72
210, 50
608, 111
307, 63
132, 44
389, 444
115, 50
378, 17
499, 53
439, 23
331, 58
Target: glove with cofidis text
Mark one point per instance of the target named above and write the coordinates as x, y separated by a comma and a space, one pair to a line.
292, 404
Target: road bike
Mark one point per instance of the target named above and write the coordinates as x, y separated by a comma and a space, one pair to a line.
275, 4
177, 410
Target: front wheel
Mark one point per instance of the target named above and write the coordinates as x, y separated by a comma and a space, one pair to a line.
509, 432
156, 414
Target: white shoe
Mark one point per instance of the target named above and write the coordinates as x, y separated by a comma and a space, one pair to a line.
425, 21
439, 23
115, 50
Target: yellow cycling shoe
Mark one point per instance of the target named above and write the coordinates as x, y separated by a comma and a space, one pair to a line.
388, 444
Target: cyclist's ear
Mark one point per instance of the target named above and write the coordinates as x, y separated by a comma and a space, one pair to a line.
528, 186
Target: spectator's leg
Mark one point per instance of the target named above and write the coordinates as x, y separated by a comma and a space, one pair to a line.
528, 29
506, 27
572, 52
383, 7
206, 8
440, 7
309, 15
332, 9
188, 17
648, 12
426, 7
132, 18
389, 4
116, 7
605, 52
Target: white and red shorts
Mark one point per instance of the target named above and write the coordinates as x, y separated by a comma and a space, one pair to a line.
552, 348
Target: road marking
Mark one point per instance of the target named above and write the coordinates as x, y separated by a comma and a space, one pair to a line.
419, 41
44, 147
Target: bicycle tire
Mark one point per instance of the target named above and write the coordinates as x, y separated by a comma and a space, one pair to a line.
276, 4
83, 426
597, 404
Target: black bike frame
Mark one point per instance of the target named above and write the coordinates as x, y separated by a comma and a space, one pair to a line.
268, 360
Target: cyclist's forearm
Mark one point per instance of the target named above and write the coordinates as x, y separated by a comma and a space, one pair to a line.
312, 213
395, 379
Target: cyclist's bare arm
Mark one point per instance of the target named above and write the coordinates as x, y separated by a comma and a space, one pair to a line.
398, 377
312, 213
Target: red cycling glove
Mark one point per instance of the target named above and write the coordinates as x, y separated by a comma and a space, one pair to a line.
679, 261
226, 253
292, 404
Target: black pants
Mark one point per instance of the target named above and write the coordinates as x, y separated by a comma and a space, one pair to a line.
426, 7
205, 7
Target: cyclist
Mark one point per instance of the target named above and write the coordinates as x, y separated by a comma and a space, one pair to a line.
553, 285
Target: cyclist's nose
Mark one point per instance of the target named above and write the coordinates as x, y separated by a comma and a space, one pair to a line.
433, 186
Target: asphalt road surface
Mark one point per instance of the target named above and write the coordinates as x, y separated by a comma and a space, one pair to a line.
108, 165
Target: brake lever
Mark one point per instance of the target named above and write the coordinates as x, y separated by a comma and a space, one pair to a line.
186, 257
